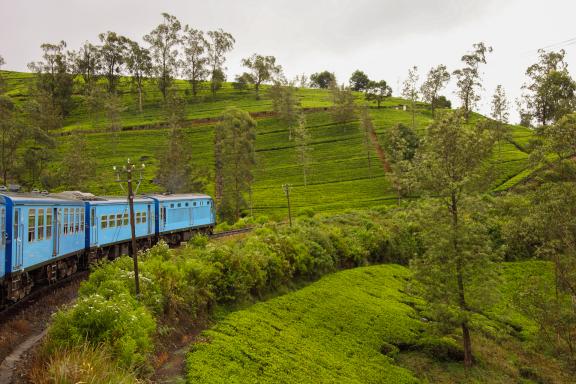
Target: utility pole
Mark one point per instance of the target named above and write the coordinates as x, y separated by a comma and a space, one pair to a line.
286, 188
128, 169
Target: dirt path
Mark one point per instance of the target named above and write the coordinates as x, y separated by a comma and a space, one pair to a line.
8, 366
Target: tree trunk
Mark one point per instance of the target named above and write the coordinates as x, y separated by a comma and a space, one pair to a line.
468, 359
140, 97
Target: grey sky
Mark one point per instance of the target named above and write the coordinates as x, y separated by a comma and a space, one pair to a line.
383, 38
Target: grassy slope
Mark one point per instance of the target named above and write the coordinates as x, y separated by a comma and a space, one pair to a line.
333, 331
321, 333
339, 176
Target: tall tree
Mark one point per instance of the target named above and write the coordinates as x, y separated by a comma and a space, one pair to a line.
559, 140
366, 126
550, 93
322, 79
302, 140
401, 144
164, 41
469, 79
500, 115
219, 43
456, 266
12, 136
139, 65
344, 109
285, 103
378, 91
54, 77
410, 91
87, 64
436, 80
234, 158
79, 166
359, 81
175, 170
195, 57
262, 69
113, 56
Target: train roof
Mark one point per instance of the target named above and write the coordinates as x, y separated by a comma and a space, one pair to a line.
37, 198
180, 196
118, 200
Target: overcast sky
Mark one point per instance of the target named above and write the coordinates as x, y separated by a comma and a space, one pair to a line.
383, 38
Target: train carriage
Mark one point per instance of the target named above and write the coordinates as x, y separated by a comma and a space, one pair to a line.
43, 238
179, 216
109, 223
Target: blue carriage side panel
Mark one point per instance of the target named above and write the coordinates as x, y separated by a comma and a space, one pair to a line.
6, 253
87, 227
183, 212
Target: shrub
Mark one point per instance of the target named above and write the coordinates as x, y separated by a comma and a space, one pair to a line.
441, 348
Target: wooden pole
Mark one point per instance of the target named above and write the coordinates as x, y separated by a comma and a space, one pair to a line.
133, 228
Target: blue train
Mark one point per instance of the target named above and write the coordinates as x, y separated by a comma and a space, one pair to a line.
47, 237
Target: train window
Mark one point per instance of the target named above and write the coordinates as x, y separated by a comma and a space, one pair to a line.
163, 215
119, 220
71, 221
31, 224
137, 217
77, 220
82, 220
143, 217
48, 223
179, 205
104, 222
194, 203
65, 227
40, 233
171, 205
125, 219
93, 217
186, 204
111, 221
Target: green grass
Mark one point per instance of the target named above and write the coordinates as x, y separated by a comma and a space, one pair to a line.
339, 176
333, 331
328, 332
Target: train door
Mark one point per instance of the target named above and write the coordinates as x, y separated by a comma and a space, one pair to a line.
56, 232
150, 219
3, 232
18, 236
93, 227
162, 218
190, 214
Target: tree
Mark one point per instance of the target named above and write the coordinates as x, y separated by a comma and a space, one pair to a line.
113, 106
195, 59
113, 57
401, 144
436, 80
175, 169
442, 103
456, 266
558, 139
2, 82
500, 115
86, 63
54, 77
322, 80
366, 126
262, 69
378, 91
219, 44
139, 65
359, 81
12, 136
469, 80
164, 41
344, 109
303, 149
234, 158
78, 165
410, 91
285, 103
550, 93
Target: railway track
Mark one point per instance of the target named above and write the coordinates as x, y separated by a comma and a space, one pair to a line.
230, 233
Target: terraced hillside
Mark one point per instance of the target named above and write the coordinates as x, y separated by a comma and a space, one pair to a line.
339, 175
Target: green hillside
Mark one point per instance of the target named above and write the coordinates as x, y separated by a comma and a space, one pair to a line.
339, 174
369, 332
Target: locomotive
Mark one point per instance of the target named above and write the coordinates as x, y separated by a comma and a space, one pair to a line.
48, 237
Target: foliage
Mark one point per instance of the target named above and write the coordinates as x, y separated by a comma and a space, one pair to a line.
219, 43
195, 63
303, 149
379, 91
79, 166
549, 95
262, 69
285, 103
410, 91
359, 81
322, 79
436, 80
113, 54
344, 108
468, 77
